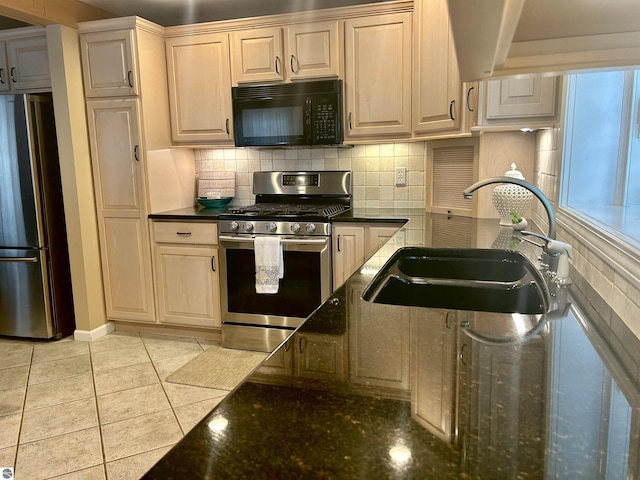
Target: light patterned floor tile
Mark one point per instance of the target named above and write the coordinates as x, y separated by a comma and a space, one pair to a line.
46, 352
9, 429
91, 473
8, 456
169, 365
59, 455
115, 340
184, 394
58, 419
205, 344
58, 369
11, 400
14, 377
163, 347
119, 357
189, 415
134, 467
131, 403
123, 378
59, 391
15, 355
140, 434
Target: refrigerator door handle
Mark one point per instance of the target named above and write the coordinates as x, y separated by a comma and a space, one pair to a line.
19, 259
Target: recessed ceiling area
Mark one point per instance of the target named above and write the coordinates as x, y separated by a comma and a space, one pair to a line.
184, 12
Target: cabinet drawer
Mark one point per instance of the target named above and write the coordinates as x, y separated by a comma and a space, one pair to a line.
185, 232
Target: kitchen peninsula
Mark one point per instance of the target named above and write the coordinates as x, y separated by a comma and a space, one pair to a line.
431, 393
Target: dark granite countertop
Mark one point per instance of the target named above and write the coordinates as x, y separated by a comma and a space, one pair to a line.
383, 391
190, 213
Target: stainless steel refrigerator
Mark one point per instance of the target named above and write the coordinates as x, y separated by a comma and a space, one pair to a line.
35, 282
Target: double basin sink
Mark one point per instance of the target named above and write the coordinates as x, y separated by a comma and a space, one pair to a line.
484, 280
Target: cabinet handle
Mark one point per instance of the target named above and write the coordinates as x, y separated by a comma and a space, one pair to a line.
338, 246
130, 78
213, 263
451, 105
135, 153
287, 346
301, 345
349, 121
226, 125
184, 234
2, 76
447, 322
277, 65
468, 97
294, 59
13, 74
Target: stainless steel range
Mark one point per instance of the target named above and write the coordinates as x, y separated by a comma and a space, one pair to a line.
297, 207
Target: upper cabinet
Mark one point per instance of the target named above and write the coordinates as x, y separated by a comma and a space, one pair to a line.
509, 37
24, 62
199, 88
437, 87
276, 54
109, 61
378, 76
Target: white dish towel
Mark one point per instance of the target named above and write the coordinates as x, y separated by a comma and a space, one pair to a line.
269, 264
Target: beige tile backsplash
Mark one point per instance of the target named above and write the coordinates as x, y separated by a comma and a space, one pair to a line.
373, 167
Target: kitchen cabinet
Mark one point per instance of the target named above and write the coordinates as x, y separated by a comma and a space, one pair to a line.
371, 332
309, 355
123, 129
437, 88
109, 63
354, 244
122, 214
434, 335
520, 102
378, 76
186, 273
198, 69
297, 52
24, 62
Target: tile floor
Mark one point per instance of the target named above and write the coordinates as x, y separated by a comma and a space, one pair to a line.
100, 410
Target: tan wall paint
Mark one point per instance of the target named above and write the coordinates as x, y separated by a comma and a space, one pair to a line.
77, 182
65, 12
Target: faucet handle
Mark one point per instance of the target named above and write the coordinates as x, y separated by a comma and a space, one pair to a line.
551, 245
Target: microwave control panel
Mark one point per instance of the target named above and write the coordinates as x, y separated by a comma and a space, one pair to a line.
326, 120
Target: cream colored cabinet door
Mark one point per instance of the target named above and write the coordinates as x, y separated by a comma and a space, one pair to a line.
109, 63
437, 88
4, 68
313, 50
319, 356
121, 206
378, 76
114, 131
28, 63
370, 332
433, 370
348, 251
187, 285
126, 267
198, 67
377, 236
257, 55
521, 99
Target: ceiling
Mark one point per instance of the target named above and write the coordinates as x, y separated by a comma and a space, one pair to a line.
184, 12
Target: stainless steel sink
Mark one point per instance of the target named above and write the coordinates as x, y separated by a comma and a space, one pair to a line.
484, 280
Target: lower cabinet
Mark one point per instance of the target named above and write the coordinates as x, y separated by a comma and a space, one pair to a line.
186, 274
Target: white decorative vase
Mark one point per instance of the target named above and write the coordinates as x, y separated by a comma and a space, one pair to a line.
509, 197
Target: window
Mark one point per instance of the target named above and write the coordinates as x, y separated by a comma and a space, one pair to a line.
601, 157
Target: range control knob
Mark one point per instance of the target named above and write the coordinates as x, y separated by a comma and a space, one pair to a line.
271, 227
295, 228
234, 226
248, 227
310, 227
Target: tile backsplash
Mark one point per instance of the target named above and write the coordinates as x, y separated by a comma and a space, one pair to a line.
373, 167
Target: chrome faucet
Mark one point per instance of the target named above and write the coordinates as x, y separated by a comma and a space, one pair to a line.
468, 193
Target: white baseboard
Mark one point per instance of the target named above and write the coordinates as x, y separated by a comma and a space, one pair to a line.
91, 335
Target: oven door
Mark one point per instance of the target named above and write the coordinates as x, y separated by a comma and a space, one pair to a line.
305, 285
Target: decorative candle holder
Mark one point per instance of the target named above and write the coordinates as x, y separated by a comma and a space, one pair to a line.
509, 197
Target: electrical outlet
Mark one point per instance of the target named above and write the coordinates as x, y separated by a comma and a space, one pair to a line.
401, 176
399, 239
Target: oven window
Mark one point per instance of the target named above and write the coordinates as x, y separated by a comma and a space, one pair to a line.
299, 292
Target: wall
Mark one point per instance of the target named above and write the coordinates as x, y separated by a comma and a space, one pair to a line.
373, 167
621, 297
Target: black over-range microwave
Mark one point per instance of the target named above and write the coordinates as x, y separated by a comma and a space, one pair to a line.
304, 113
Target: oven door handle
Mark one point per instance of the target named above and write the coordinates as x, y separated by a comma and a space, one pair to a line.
284, 241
